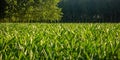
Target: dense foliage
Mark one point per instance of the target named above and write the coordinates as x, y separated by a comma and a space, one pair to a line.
32, 10
59, 41
48, 10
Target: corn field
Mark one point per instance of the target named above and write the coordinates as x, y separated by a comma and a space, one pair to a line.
41, 41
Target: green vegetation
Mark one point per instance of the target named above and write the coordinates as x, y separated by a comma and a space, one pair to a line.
59, 11
32, 10
59, 41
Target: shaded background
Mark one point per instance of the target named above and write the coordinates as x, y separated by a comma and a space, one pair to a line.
90, 10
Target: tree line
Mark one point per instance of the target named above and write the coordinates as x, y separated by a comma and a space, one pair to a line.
30, 10
60, 10
90, 10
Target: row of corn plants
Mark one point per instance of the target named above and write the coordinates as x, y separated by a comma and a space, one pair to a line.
25, 41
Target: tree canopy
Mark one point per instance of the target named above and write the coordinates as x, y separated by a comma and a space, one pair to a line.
52, 10
32, 10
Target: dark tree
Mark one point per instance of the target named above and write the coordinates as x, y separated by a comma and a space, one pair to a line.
3, 5
91, 10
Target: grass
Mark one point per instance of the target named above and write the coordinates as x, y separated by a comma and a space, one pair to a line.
59, 41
